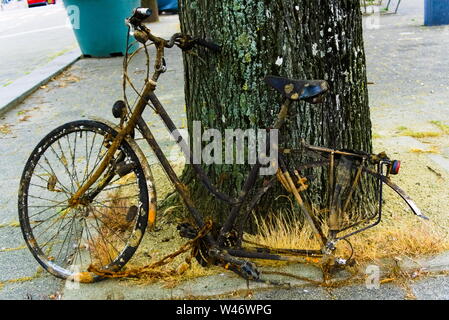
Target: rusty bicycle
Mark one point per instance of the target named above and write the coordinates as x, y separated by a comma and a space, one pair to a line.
87, 193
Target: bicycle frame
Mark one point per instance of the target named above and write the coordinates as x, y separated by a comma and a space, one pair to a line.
216, 245
236, 203
297, 255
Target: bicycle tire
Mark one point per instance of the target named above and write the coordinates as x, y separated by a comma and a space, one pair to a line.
109, 243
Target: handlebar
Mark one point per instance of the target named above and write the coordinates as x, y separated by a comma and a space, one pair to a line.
143, 34
208, 44
139, 15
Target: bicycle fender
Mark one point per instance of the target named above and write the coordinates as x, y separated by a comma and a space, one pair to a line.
405, 197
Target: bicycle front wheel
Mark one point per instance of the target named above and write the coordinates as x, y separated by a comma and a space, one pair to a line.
103, 230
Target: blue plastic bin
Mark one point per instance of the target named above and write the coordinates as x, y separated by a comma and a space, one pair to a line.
167, 5
436, 12
99, 25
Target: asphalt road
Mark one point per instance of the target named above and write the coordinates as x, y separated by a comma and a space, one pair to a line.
31, 38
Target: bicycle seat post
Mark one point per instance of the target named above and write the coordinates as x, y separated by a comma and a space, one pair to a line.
283, 113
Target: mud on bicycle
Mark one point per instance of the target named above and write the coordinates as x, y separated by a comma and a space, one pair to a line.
87, 193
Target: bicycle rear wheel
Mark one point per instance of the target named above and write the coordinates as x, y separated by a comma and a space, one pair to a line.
105, 229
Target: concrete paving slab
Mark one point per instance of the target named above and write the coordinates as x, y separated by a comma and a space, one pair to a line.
10, 237
436, 288
303, 293
361, 292
11, 269
432, 264
38, 289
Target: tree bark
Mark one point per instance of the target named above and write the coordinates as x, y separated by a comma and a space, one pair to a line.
312, 39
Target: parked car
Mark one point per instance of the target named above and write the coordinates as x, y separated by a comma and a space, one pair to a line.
33, 3
168, 5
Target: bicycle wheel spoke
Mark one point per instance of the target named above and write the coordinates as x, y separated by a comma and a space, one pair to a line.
51, 174
74, 165
89, 242
78, 247
54, 236
65, 238
121, 198
54, 174
88, 155
86, 167
55, 221
98, 159
72, 157
48, 208
36, 197
117, 187
70, 238
64, 164
98, 229
106, 225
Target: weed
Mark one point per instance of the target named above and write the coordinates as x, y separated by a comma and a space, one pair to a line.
443, 127
433, 150
404, 131
13, 249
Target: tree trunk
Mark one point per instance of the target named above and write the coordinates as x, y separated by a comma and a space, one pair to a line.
152, 4
319, 39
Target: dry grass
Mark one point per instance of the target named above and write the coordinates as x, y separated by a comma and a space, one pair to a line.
283, 231
12, 224
405, 238
402, 236
174, 273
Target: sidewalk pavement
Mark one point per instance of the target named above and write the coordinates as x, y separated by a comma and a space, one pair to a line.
406, 63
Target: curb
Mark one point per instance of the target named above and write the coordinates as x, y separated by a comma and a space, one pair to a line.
21, 88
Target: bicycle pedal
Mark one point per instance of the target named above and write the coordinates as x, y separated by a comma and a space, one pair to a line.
247, 270
124, 167
186, 230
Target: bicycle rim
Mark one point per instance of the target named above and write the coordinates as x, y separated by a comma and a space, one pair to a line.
104, 231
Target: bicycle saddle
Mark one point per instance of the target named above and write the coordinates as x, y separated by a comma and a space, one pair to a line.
309, 90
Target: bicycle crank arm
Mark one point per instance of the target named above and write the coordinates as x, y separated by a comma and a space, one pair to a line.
244, 268
405, 197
